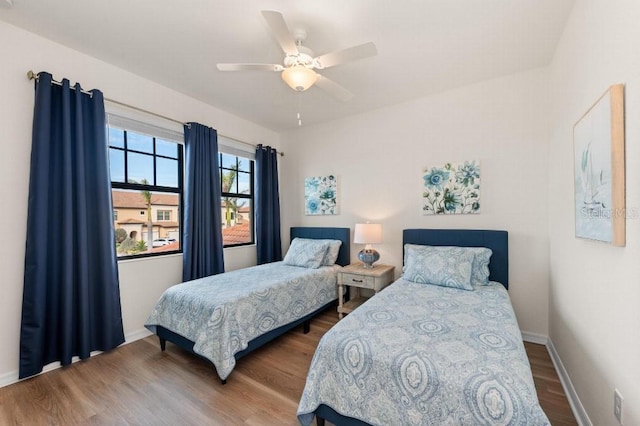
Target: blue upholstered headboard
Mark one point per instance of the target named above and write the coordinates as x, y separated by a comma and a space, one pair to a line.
342, 234
497, 241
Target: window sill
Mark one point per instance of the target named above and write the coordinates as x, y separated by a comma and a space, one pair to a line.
143, 258
238, 247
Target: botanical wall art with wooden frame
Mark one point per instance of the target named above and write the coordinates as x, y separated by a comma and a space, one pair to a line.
598, 143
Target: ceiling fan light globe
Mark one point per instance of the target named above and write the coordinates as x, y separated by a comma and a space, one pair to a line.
299, 78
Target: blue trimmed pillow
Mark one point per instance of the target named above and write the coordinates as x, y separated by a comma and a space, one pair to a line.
443, 266
480, 268
306, 252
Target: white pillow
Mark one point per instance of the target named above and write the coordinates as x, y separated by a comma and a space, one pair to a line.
307, 253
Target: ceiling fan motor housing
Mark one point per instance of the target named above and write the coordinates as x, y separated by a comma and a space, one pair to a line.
304, 57
298, 72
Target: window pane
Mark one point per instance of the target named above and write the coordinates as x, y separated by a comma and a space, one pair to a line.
116, 137
229, 181
164, 215
116, 165
138, 142
167, 172
244, 164
236, 221
132, 232
244, 183
168, 149
228, 161
140, 168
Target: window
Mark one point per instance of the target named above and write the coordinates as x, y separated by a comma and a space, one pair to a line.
146, 184
164, 215
236, 179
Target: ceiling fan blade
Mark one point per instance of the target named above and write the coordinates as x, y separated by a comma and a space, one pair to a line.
280, 31
333, 88
346, 55
250, 67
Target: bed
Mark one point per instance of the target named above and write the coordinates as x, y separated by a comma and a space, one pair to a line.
224, 317
422, 354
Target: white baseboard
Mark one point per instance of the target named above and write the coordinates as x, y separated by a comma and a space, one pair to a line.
9, 378
12, 377
576, 406
540, 339
136, 335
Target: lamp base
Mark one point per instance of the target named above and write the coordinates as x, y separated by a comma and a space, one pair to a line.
368, 257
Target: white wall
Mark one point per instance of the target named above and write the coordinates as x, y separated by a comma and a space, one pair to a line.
595, 288
378, 158
141, 281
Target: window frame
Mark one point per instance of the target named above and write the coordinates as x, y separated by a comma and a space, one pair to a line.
166, 215
126, 185
250, 197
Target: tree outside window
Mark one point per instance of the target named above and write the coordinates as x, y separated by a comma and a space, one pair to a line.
236, 180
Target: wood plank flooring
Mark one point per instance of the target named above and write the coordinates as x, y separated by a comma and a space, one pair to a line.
137, 384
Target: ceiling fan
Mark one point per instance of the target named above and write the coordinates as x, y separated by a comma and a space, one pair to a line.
299, 61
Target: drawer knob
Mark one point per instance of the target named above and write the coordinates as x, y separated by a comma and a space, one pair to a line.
356, 281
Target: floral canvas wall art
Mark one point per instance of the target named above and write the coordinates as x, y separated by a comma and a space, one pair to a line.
321, 195
453, 188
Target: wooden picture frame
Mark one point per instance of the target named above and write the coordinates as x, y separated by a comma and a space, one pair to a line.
599, 174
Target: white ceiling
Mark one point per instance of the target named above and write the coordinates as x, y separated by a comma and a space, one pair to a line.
424, 46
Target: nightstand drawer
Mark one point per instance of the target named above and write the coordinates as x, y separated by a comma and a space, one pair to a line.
361, 281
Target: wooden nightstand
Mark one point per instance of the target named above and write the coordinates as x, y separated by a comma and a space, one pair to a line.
357, 277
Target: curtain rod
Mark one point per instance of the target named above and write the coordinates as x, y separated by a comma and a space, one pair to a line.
34, 76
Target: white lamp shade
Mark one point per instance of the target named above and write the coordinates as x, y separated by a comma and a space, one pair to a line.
299, 77
368, 233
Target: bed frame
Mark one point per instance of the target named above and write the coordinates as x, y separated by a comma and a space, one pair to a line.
497, 241
341, 234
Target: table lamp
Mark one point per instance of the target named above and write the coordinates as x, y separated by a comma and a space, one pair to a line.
368, 233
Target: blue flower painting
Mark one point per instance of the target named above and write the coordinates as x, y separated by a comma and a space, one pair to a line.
321, 195
451, 189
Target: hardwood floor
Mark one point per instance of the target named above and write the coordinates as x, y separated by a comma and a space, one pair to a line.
138, 384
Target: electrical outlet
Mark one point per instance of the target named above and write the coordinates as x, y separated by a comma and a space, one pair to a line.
617, 405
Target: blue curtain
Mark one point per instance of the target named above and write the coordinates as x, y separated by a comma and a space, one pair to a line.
267, 206
71, 299
202, 240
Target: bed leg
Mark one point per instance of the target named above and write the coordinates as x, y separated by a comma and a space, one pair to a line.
306, 326
163, 343
319, 421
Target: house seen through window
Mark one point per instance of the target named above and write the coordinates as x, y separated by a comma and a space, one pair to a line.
237, 184
146, 184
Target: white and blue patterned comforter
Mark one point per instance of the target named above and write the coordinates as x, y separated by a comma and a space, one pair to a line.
418, 354
222, 313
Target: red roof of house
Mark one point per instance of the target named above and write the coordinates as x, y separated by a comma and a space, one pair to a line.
168, 247
161, 224
237, 234
135, 200
164, 224
131, 222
